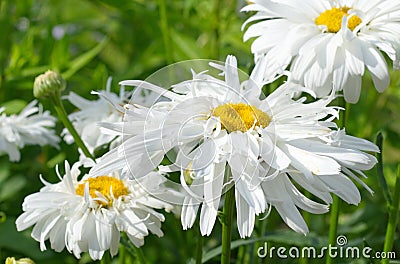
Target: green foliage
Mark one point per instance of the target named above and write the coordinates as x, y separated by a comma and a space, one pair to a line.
87, 41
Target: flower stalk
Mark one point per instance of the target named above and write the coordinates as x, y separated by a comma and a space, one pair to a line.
229, 206
199, 247
49, 85
139, 255
334, 217
130, 253
121, 254
62, 115
335, 208
394, 208
105, 259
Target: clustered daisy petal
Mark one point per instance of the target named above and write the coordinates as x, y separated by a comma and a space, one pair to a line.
225, 136
32, 126
217, 133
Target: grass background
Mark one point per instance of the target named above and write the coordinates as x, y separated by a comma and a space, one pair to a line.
90, 40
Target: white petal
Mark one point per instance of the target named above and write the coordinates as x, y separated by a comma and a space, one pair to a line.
115, 237
103, 231
245, 216
189, 211
343, 187
208, 215
292, 217
352, 89
378, 68
302, 201
310, 163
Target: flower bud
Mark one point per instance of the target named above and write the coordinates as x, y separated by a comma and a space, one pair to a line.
47, 84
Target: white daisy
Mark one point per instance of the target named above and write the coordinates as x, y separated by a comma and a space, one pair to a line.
32, 126
214, 124
107, 108
89, 214
327, 42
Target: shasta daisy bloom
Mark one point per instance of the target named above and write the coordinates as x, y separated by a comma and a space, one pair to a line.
90, 113
225, 136
32, 126
89, 214
326, 43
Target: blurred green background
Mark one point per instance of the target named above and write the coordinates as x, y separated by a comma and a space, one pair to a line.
88, 41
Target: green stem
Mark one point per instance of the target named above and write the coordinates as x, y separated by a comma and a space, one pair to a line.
333, 225
121, 254
343, 114
261, 243
335, 208
106, 258
139, 255
199, 247
165, 30
393, 217
229, 206
128, 249
133, 250
307, 219
62, 115
240, 255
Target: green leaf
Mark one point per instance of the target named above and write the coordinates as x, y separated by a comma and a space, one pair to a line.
4, 172
14, 106
25, 73
11, 187
81, 61
60, 55
20, 242
187, 47
58, 159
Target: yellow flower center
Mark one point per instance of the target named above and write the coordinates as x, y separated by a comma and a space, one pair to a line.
240, 117
332, 19
103, 185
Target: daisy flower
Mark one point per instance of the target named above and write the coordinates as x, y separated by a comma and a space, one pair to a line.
32, 126
89, 214
90, 113
326, 43
223, 135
